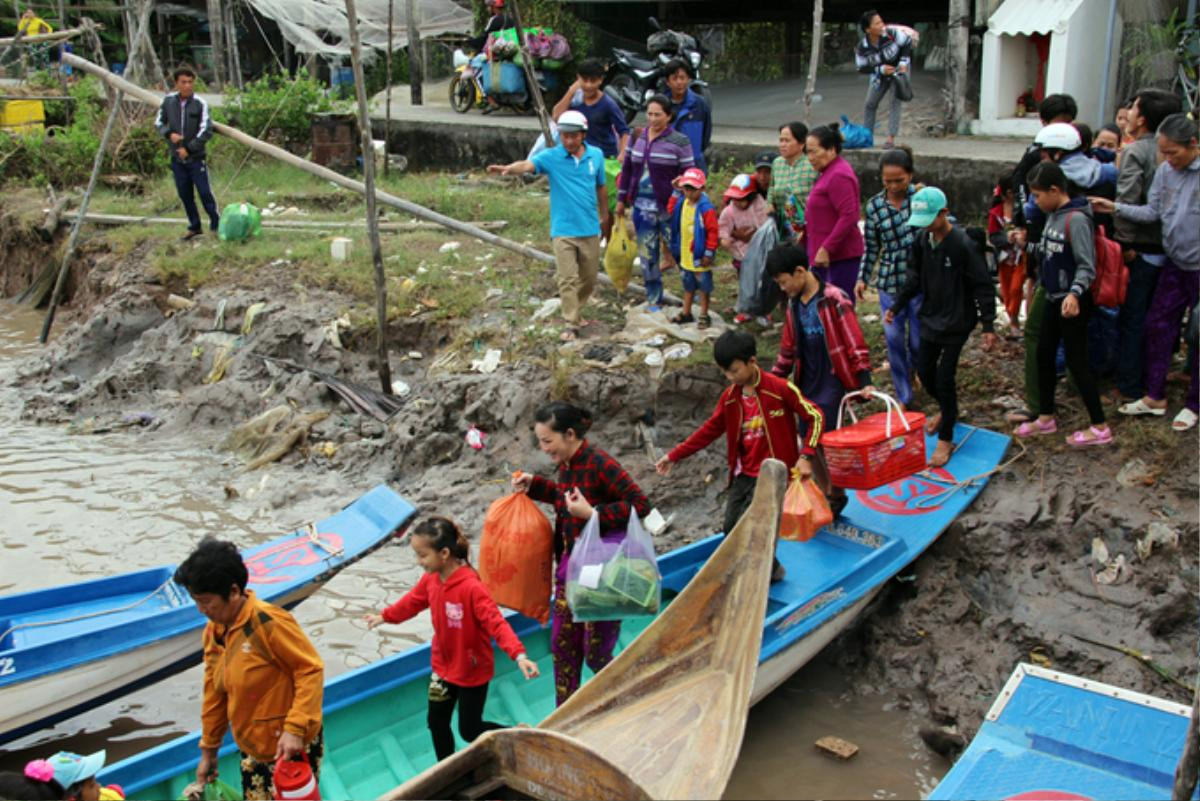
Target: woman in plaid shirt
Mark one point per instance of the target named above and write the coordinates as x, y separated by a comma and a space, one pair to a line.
588, 480
792, 178
889, 247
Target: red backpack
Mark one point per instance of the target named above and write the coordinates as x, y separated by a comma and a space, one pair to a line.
1112, 273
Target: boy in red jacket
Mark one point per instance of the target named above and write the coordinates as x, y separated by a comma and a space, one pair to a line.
465, 621
757, 413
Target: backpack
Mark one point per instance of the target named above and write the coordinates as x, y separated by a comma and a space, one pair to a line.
1112, 273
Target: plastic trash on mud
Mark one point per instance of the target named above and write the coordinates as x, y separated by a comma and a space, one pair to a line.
489, 362
476, 438
271, 435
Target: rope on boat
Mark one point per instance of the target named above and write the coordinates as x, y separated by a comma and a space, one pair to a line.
75, 618
311, 530
939, 498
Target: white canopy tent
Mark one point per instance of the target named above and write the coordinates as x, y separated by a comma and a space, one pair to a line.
319, 26
1080, 52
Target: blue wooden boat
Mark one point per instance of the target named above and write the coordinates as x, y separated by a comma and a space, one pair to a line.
1051, 735
375, 733
70, 648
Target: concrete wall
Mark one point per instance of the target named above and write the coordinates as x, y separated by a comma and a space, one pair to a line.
437, 146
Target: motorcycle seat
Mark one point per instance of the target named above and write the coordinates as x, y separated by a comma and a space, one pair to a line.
635, 61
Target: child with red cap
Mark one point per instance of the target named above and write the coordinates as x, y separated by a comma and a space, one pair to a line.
694, 240
744, 213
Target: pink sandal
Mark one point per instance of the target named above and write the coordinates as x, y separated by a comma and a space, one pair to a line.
1093, 436
1033, 428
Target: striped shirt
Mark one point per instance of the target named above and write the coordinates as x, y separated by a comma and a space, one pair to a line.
889, 243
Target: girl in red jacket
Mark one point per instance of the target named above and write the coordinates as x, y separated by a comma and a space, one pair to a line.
465, 621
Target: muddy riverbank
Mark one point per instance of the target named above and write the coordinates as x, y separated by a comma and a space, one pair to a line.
1013, 579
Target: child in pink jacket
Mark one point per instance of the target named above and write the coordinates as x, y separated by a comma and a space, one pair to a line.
745, 211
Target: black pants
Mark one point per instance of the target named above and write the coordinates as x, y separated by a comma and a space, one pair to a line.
1073, 334
937, 365
741, 492
193, 175
470, 714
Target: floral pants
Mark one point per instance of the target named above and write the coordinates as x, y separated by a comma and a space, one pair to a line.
258, 778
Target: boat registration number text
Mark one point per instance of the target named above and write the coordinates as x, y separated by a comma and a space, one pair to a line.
7, 666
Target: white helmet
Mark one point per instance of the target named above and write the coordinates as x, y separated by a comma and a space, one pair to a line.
572, 122
1059, 136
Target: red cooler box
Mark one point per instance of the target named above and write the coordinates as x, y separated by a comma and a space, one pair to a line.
876, 450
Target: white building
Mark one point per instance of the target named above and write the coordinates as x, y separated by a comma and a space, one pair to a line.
1068, 44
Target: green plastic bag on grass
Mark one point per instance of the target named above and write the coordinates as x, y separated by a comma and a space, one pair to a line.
216, 790
239, 222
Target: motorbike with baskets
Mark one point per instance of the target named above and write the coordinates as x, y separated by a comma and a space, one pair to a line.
633, 79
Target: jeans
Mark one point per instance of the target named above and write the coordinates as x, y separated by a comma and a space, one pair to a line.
651, 231
902, 345
876, 89
189, 175
937, 364
1073, 333
471, 724
1131, 327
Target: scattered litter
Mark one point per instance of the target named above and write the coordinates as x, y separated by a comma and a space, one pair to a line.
656, 524
655, 341
422, 269
475, 438
251, 313
362, 400
326, 449
176, 303
679, 351
449, 247
271, 435
489, 362
599, 353
1135, 473
1156, 534
842, 749
416, 354
219, 319
654, 358
547, 308
340, 248
494, 292
408, 283
400, 388
333, 329
870, 318
1039, 657
429, 303
221, 361
1111, 571
197, 351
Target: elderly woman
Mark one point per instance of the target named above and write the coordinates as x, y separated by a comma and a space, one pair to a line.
262, 676
1173, 200
792, 178
833, 239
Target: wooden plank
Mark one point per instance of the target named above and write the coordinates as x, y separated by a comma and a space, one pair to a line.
98, 218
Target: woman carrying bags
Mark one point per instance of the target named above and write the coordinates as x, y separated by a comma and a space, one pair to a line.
832, 237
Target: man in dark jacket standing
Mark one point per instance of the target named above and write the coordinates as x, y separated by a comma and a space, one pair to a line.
948, 269
184, 121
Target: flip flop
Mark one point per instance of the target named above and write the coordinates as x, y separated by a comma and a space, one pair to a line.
1032, 428
1140, 406
682, 318
1185, 420
704, 321
1093, 436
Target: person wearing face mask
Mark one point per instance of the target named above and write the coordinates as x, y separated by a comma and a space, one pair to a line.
588, 480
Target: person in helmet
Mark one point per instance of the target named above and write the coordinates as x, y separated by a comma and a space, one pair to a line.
497, 21
578, 208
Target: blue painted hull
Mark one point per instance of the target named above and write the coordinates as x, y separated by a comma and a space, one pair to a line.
1051, 735
98, 633
828, 579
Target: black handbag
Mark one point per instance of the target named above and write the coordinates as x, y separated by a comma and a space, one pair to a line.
902, 86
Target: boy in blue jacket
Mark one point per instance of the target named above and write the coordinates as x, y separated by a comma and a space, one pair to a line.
693, 117
695, 235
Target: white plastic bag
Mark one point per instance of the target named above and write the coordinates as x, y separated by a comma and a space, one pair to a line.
613, 576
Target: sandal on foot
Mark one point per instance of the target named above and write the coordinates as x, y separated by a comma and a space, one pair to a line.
1140, 406
1185, 420
742, 318
569, 335
704, 321
1033, 428
1020, 416
1093, 436
682, 318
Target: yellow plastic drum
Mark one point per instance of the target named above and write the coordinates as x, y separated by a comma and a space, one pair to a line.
22, 116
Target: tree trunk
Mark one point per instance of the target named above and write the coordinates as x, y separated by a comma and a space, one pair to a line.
814, 58
216, 36
387, 103
235, 58
957, 41
535, 91
368, 156
414, 51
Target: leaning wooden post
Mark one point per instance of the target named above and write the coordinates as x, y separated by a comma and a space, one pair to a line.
535, 91
387, 104
415, 72
814, 58
1189, 761
83, 207
368, 157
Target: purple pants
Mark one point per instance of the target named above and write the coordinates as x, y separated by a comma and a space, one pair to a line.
1177, 291
842, 274
572, 644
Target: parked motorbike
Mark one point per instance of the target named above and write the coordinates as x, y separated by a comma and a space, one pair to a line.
633, 79
476, 79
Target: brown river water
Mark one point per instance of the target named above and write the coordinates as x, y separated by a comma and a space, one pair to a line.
75, 507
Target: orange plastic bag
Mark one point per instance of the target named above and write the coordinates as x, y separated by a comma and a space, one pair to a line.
516, 555
805, 510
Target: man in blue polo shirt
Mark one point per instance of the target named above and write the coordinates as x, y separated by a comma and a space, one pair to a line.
578, 206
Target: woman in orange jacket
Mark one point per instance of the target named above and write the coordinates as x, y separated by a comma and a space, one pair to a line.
262, 676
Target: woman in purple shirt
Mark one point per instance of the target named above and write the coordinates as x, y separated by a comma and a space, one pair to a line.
832, 237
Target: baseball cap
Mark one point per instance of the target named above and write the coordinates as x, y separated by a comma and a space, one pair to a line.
572, 122
70, 768
764, 159
741, 186
925, 205
693, 176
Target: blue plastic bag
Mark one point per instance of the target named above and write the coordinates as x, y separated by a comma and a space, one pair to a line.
855, 136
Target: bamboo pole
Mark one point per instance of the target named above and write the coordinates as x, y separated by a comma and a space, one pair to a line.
387, 105
216, 37
814, 58
368, 157
415, 76
87, 197
287, 224
535, 91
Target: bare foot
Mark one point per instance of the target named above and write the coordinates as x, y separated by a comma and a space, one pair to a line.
941, 454
933, 423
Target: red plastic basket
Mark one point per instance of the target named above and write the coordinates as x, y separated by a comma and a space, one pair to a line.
876, 450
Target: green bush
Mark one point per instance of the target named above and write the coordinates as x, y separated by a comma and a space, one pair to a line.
278, 109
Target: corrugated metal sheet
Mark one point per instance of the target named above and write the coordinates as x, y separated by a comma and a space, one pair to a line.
1024, 17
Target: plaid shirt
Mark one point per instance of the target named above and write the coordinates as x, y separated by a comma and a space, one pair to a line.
889, 242
605, 485
791, 180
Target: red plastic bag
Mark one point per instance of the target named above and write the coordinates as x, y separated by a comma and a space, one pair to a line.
516, 554
805, 510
